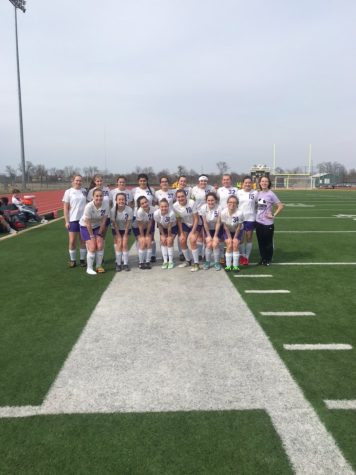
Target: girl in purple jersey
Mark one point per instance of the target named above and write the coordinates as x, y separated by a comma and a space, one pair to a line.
268, 207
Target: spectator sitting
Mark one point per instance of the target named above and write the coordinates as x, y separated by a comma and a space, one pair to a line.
30, 212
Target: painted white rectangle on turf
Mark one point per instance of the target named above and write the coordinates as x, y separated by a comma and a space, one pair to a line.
343, 404
288, 314
251, 276
281, 291
318, 346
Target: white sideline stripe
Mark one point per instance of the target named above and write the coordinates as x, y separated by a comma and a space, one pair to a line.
288, 314
318, 346
251, 276
314, 263
138, 358
267, 291
313, 232
27, 230
345, 404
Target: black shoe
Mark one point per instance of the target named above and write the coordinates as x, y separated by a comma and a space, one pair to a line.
148, 265
83, 263
126, 267
153, 259
181, 257
142, 266
262, 262
72, 264
267, 263
118, 268
200, 258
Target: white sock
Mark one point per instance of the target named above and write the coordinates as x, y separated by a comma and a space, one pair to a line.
83, 254
235, 258
195, 253
141, 255
148, 255
228, 259
208, 252
125, 255
153, 249
99, 258
118, 258
200, 248
222, 248
90, 260
186, 254
179, 247
73, 254
164, 251
248, 249
217, 255
170, 254
242, 248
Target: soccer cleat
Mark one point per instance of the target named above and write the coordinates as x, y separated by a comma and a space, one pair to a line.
118, 267
206, 265
235, 269
148, 265
44, 221
153, 259
100, 270
195, 268
228, 268
83, 263
164, 265
243, 261
184, 264
91, 271
170, 265
72, 264
217, 266
142, 266
126, 267
267, 263
181, 257
247, 262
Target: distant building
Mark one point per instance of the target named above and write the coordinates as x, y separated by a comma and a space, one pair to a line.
259, 170
321, 180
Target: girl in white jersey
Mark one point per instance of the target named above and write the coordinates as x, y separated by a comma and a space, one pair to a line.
92, 228
188, 228
144, 231
98, 182
74, 201
213, 231
182, 185
232, 220
165, 192
247, 205
121, 218
168, 229
226, 190
121, 188
198, 194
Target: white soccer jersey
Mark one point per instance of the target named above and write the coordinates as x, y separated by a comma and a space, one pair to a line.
143, 217
232, 220
187, 191
94, 214
77, 201
247, 204
115, 191
186, 213
224, 193
211, 215
137, 192
165, 220
169, 195
199, 195
121, 217
106, 194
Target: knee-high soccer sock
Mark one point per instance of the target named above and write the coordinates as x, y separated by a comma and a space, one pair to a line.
125, 256
149, 255
195, 253
186, 254
83, 254
221, 248
73, 254
248, 249
235, 259
141, 255
99, 258
153, 249
179, 247
208, 252
242, 248
200, 248
118, 258
217, 255
170, 254
228, 259
164, 251
90, 260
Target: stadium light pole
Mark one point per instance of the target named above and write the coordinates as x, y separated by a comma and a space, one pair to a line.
20, 4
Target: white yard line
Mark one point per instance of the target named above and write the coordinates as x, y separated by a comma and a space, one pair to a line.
318, 346
314, 263
314, 232
147, 348
253, 276
342, 404
288, 314
280, 291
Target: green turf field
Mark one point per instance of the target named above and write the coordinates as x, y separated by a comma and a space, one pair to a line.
45, 307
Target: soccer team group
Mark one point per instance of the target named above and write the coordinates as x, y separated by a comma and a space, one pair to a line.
205, 221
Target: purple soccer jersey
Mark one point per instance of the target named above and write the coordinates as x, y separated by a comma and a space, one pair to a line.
265, 202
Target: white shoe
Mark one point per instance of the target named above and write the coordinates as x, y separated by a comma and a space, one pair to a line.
12, 231
44, 221
91, 272
195, 268
184, 264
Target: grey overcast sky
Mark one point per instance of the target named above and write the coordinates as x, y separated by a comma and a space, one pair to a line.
164, 83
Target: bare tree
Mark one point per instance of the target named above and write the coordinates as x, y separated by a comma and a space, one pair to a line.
41, 172
223, 167
181, 170
11, 172
29, 170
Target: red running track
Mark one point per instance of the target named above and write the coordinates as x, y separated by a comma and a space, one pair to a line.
46, 201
